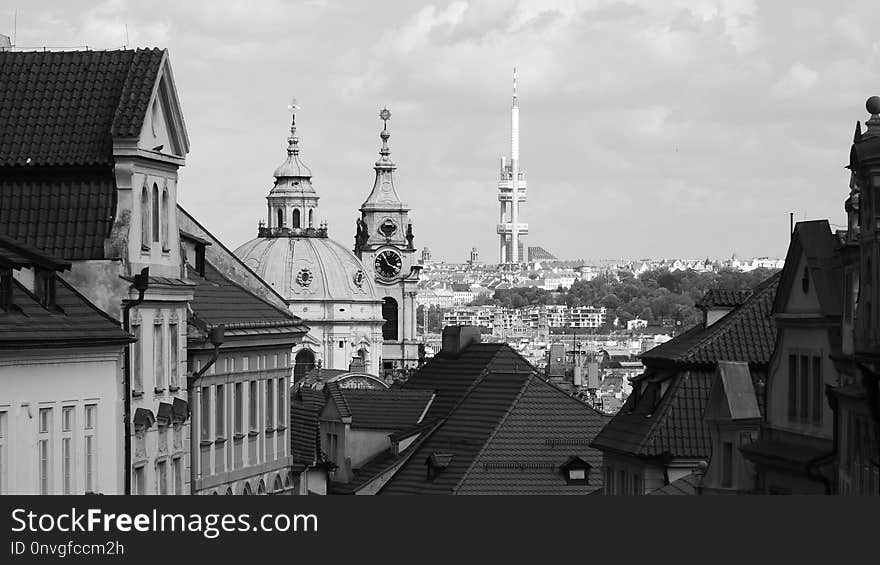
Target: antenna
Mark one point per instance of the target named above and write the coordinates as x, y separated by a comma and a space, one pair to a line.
14, 26
126, 35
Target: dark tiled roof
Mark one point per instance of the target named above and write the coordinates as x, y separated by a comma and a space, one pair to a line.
544, 430
686, 365
723, 298
479, 394
64, 108
747, 334
68, 216
304, 443
78, 323
687, 485
219, 300
385, 409
16, 255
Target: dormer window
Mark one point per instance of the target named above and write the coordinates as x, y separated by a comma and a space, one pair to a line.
576, 471
437, 463
200, 259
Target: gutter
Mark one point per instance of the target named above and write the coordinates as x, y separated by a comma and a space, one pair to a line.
140, 284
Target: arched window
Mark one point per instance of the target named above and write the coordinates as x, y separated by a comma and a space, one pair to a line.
261, 488
311, 219
389, 313
302, 364
295, 221
280, 218
247, 490
145, 219
166, 219
155, 213
228, 491
277, 487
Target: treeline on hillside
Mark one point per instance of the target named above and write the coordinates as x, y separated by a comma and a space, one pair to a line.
657, 296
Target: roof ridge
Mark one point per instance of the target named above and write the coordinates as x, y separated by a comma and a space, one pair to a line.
494, 432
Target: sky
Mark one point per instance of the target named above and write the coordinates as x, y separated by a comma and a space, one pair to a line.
648, 129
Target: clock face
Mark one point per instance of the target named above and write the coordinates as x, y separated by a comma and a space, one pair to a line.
388, 264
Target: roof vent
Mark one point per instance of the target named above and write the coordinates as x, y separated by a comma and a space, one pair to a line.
457, 338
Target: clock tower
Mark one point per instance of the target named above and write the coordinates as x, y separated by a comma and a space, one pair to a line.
384, 243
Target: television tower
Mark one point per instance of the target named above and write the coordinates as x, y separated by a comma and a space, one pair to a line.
511, 192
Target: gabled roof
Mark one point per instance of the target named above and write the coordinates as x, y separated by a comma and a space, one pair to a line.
76, 323
502, 429
748, 333
818, 245
386, 409
59, 114
65, 108
16, 254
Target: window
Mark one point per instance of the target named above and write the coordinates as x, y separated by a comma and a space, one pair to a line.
205, 413
239, 408
311, 219
219, 409
140, 480
726, 464
818, 390
165, 220
792, 387
295, 221
159, 355
270, 402
389, 314
45, 452
252, 406
155, 208
162, 472
804, 383
3, 434
67, 449
90, 438
145, 220
622, 482
280, 218
282, 393
137, 375
177, 464
173, 357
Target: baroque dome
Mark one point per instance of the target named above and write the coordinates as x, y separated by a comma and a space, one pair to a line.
309, 268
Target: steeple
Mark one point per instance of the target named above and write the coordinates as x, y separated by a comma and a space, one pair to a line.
292, 202
384, 195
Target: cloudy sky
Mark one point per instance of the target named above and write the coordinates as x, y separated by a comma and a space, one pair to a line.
675, 128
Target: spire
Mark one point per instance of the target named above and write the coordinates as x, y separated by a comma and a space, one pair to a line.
292, 167
385, 161
293, 140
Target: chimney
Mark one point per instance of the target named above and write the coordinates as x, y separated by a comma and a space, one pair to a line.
457, 338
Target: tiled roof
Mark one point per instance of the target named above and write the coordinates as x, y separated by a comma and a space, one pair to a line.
304, 440
649, 424
64, 108
78, 323
747, 334
59, 113
723, 298
489, 392
16, 254
687, 485
385, 409
68, 216
815, 241
219, 300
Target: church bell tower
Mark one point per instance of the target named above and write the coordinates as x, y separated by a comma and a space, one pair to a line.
384, 243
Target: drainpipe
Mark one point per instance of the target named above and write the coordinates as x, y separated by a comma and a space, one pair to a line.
140, 284
216, 336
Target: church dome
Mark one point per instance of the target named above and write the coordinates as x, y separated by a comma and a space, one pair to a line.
308, 268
